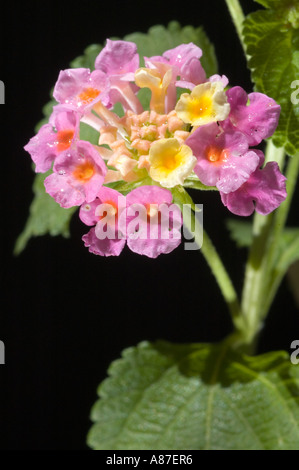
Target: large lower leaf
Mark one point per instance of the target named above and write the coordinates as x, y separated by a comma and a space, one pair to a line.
272, 42
187, 397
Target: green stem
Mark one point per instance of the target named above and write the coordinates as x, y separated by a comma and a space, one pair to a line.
275, 273
237, 16
258, 287
283, 210
209, 252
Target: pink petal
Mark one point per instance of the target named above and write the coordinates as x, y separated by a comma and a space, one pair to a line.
149, 195
65, 187
87, 212
72, 82
265, 190
118, 57
155, 236
64, 194
258, 119
236, 171
106, 247
185, 60
183, 53
67, 120
153, 248
229, 173
219, 78
42, 149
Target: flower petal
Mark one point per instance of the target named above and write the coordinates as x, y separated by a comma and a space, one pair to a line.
265, 190
105, 247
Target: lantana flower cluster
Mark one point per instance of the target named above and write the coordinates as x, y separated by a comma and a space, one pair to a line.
195, 126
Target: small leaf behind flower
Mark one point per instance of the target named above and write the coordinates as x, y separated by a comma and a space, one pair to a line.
45, 217
240, 232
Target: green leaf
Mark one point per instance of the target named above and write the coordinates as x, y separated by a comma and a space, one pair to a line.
288, 253
240, 232
193, 182
89, 133
181, 197
189, 397
125, 188
46, 216
272, 42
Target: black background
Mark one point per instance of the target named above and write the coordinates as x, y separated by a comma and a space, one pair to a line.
66, 314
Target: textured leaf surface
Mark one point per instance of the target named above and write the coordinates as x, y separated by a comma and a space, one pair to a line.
272, 43
188, 397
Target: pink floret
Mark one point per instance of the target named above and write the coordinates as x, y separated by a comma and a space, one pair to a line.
257, 120
153, 237
264, 191
118, 58
185, 60
48, 142
80, 89
105, 247
78, 174
235, 163
114, 240
42, 148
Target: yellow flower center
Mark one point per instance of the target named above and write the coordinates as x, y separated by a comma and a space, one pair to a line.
215, 154
205, 104
84, 172
64, 139
170, 162
88, 95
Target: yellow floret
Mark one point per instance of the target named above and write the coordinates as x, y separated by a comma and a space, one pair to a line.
206, 103
170, 162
